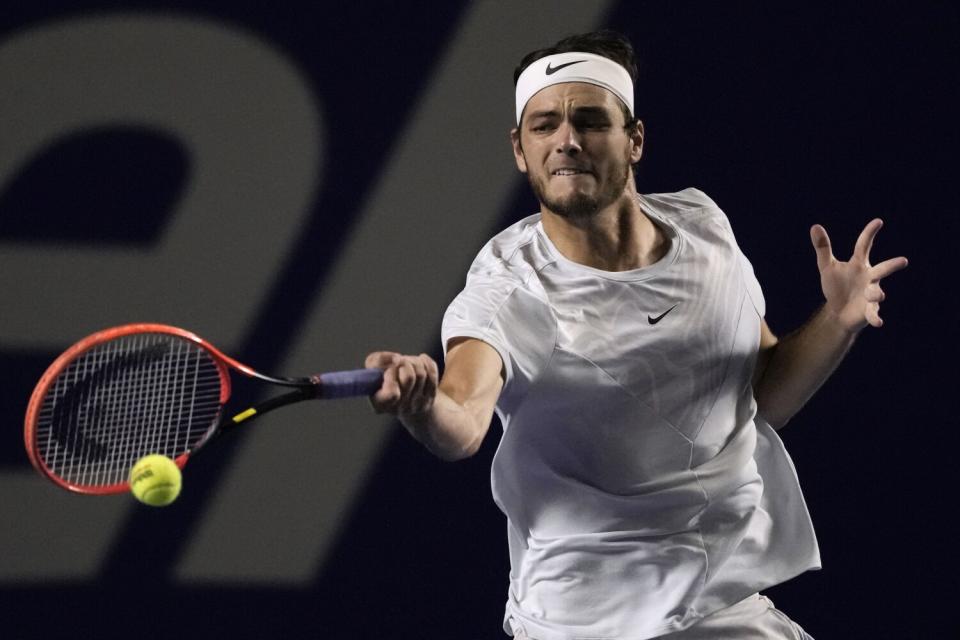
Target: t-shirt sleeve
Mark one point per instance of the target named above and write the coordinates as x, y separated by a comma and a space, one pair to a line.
752, 285
502, 313
474, 314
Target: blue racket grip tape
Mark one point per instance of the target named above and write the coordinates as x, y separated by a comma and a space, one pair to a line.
349, 384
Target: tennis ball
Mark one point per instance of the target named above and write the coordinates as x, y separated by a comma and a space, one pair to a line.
155, 480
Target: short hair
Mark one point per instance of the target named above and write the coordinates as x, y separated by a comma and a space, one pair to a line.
607, 43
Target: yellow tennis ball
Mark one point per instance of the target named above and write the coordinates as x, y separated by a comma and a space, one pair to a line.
155, 480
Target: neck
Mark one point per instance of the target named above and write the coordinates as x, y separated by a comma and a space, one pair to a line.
620, 237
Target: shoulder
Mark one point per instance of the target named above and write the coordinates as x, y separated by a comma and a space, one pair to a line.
691, 210
688, 200
510, 256
689, 203
504, 269
503, 302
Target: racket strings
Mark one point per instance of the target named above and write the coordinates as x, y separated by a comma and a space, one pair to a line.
123, 399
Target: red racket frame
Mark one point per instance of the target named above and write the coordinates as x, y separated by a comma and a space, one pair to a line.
56, 368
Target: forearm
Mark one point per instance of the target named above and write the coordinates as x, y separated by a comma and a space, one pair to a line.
798, 364
451, 416
447, 429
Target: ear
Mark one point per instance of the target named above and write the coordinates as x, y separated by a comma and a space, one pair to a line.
636, 142
518, 150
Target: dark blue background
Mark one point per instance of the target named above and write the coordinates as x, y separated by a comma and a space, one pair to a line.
785, 114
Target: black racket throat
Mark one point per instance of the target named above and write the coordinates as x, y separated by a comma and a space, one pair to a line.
230, 420
300, 383
297, 395
303, 389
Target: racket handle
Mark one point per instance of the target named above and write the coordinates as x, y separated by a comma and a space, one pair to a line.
348, 384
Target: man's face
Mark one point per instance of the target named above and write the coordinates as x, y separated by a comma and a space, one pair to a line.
574, 148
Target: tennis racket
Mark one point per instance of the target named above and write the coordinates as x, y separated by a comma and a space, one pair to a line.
137, 389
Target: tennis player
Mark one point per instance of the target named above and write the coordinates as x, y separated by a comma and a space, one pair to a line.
620, 337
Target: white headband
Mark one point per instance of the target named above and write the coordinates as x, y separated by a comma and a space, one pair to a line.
574, 67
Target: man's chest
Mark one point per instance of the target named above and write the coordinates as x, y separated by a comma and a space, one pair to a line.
670, 341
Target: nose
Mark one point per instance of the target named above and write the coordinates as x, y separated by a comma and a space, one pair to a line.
568, 139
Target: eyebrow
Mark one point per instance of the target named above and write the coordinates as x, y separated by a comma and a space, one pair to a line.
543, 114
585, 110
590, 111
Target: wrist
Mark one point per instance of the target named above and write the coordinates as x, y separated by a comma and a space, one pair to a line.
836, 321
416, 422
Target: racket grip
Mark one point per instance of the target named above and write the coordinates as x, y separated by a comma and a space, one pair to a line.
348, 384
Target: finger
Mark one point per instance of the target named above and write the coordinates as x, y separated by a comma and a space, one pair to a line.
430, 382
885, 268
406, 377
873, 315
873, 293
379, 359
821, 244
386, 398
412, 401
433, 370
861, 251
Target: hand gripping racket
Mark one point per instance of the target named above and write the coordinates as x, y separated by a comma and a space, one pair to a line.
137, 389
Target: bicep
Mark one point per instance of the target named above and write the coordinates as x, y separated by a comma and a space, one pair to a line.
473, 377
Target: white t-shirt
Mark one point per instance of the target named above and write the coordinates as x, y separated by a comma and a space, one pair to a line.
641, 490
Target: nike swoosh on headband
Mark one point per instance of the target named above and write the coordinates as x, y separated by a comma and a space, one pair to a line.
553, 70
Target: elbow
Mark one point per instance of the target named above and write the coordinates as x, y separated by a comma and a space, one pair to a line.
777, 424
457, 455
768, 408
464, 447
465, 450
775, 419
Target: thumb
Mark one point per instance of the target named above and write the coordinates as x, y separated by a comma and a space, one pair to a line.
385, 399
821, 244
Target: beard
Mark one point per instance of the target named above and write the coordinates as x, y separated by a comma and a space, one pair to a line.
580, 206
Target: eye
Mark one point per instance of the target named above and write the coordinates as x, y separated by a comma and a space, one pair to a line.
591, 120
596, 124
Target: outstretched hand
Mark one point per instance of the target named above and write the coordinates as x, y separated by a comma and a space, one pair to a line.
852, 289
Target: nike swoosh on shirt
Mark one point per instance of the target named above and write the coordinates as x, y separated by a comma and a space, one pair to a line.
660, 317
553, 70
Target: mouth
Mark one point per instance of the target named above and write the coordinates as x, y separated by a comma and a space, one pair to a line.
570, 171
